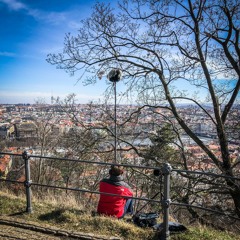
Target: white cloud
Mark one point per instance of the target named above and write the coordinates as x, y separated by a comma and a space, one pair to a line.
53, 18
7, 54
14, 5
74, 25
49, 17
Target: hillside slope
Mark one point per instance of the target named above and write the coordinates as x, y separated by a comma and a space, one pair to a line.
64, 221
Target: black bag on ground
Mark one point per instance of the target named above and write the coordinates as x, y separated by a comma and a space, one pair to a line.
145, 219
174, 227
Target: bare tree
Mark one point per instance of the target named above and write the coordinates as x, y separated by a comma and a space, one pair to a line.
160, 45
47, 139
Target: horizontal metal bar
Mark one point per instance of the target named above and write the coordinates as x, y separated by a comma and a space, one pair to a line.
95, 192
124, 165
203, 208
85, 161
11, 154
204, 173
81, 190
99, 163
12, 181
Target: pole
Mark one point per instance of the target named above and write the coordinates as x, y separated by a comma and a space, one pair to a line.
114, 76
115, 122
166, 170
27, 182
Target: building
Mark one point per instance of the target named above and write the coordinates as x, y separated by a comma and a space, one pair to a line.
25, 130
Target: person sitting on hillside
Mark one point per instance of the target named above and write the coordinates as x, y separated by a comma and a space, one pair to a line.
116, 206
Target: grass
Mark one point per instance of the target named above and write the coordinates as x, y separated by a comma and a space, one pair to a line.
72, 217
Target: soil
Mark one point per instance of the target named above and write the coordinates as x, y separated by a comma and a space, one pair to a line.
10, 228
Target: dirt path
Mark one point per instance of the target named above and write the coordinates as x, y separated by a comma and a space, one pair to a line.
18, 229
13, 232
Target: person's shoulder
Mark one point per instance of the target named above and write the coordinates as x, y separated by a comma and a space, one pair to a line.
124, 184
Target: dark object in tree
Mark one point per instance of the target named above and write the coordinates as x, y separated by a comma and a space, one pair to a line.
114, 75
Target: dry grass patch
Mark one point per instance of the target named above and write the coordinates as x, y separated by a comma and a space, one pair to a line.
49, 212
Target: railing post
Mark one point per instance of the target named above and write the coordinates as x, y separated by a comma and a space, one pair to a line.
166, 171
27, 182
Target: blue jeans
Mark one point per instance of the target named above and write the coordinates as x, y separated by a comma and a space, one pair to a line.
128, 208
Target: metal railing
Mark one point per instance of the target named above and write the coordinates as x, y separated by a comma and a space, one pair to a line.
164, 171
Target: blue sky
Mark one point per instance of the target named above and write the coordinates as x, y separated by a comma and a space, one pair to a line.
30, 29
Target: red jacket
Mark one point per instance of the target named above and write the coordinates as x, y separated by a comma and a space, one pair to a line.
113, 205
